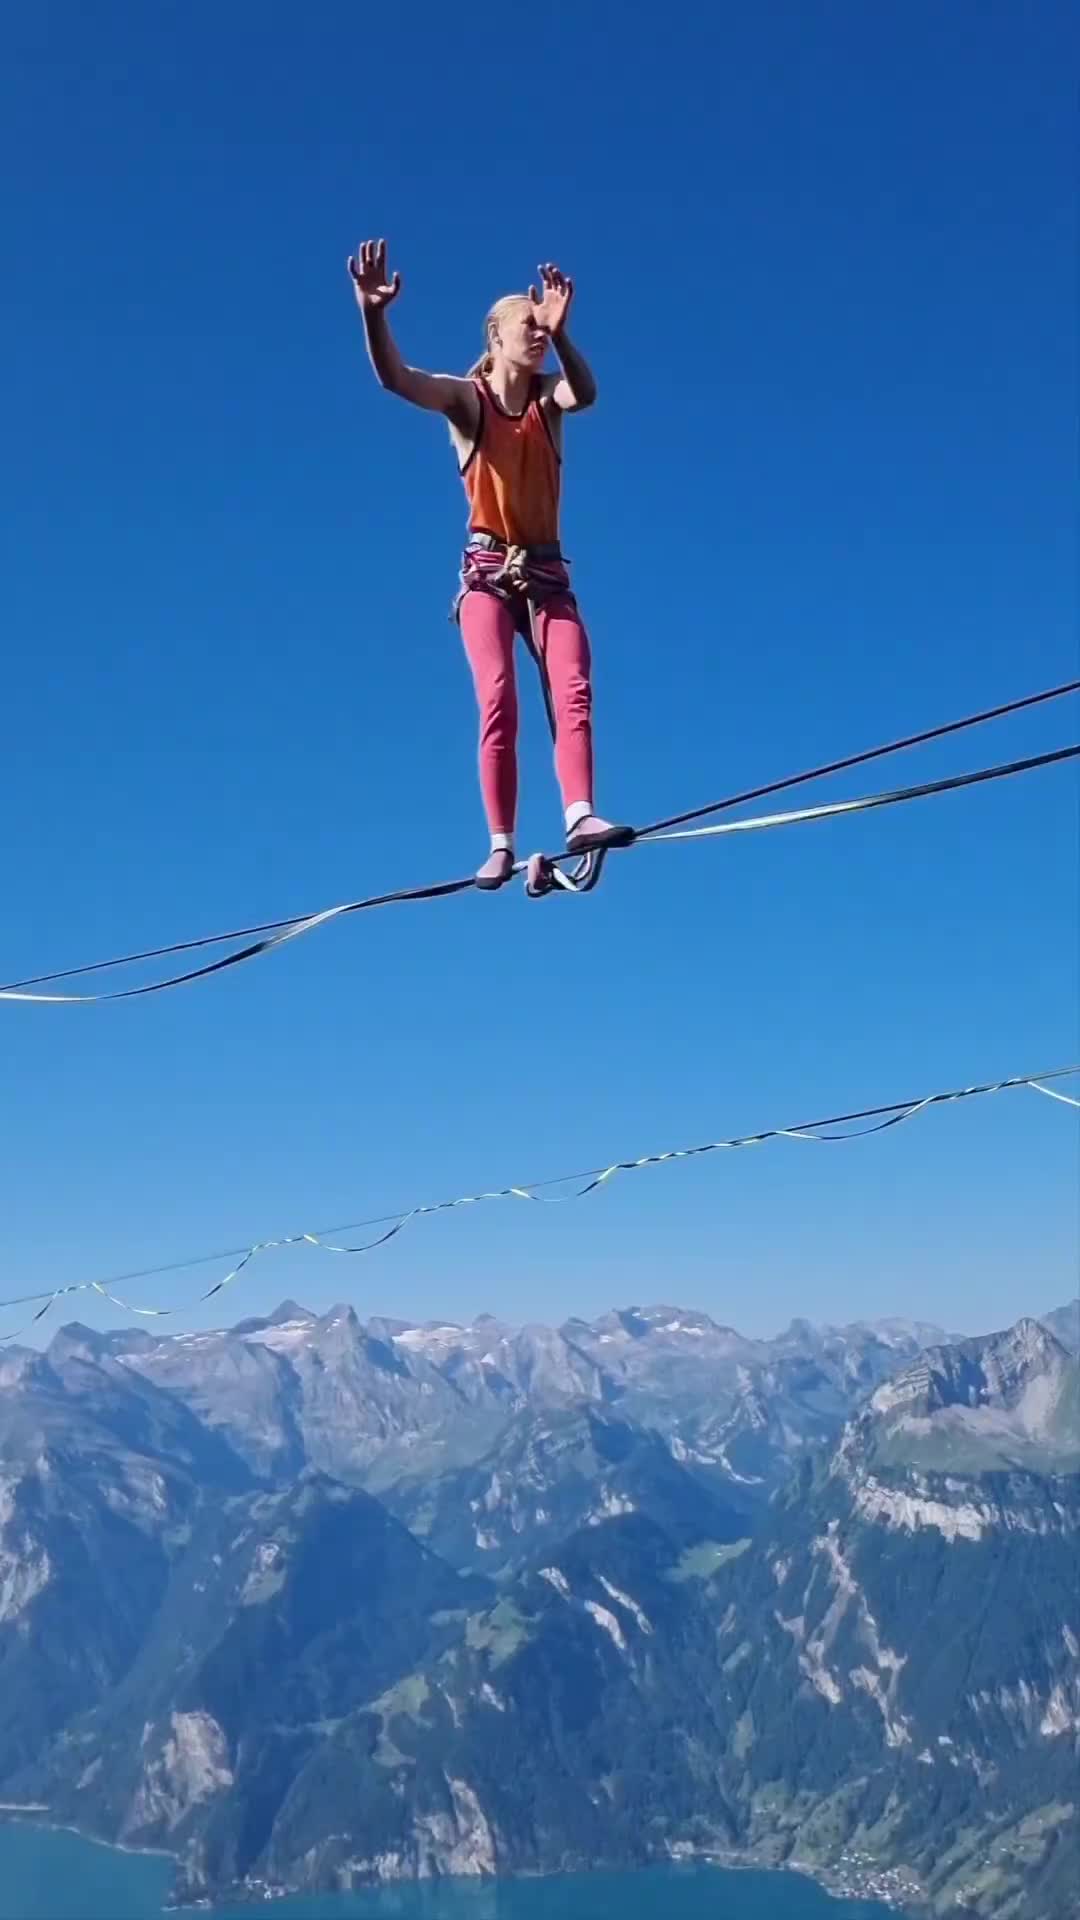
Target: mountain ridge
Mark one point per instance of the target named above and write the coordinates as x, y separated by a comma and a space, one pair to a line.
351, 1601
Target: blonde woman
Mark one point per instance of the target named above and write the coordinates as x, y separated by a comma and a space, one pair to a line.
505, 418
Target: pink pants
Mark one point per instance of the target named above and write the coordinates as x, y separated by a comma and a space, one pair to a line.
488, 626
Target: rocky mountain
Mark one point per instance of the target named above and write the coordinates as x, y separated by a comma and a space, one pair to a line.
1064, 1324
101, 1477
978, 1407
549, 1474
313, 1602
286, 1613
365, 1402
375, 1402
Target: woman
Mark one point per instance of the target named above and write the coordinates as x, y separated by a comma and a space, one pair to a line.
505, 420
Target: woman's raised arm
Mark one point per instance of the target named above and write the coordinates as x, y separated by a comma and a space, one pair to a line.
375, 290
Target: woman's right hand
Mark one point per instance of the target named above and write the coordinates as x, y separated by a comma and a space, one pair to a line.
367, 271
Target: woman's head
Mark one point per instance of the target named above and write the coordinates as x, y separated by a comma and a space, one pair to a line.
511, 334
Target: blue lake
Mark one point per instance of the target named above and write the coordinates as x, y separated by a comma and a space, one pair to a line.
46, 1875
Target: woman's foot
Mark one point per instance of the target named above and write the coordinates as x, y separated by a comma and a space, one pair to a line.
591, 833
497, 869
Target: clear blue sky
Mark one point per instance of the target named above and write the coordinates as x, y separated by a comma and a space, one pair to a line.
826, 274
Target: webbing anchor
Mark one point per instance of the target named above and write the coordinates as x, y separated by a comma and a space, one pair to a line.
542, 876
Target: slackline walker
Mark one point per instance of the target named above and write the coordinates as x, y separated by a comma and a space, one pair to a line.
505, 419
506, 424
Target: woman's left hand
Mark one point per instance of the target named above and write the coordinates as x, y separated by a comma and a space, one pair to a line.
551, 306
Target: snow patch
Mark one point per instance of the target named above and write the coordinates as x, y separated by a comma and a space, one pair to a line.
284, 1339
417, 1338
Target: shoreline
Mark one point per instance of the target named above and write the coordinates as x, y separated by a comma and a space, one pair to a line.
266, 1892
22, 1816
832, 1880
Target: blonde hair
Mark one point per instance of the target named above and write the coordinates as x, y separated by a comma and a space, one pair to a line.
495, 315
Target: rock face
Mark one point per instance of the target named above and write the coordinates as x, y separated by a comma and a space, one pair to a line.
380, 1401
284, 1614
876, 1676
101, 1477
315, 1604
1064, 1324
550, 1473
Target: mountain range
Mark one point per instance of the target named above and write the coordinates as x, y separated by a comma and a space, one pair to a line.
313, 1602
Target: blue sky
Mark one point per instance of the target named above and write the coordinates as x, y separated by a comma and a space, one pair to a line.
825, 272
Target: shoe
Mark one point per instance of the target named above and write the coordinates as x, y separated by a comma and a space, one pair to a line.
593, 833
497, 869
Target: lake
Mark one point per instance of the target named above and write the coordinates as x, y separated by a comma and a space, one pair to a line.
46, 1875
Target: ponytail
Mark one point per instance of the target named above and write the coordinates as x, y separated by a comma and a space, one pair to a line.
482, 367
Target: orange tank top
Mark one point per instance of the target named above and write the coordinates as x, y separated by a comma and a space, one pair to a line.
512, 474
